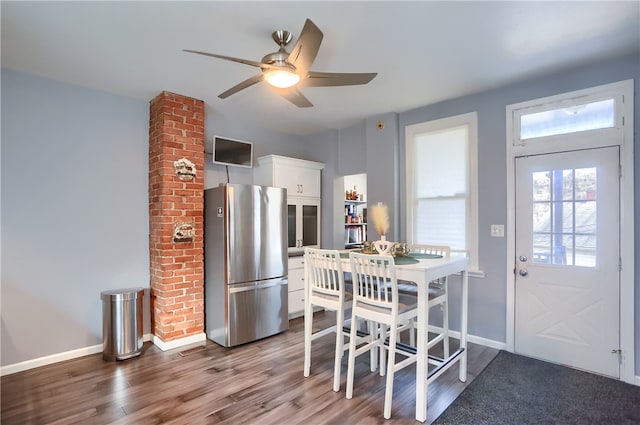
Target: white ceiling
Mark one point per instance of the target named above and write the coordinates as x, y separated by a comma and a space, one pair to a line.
424, 52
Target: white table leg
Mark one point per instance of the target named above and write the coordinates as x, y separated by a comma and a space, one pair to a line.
308, 326
463, 324
421, 362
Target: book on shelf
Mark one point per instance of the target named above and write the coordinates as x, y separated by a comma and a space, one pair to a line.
354, 235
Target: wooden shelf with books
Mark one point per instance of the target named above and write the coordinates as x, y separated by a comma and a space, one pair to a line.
355, 223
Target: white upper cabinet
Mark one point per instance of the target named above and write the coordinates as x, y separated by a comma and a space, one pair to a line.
300, 177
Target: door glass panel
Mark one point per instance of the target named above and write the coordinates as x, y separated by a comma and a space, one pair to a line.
565, 225
564, 229
542, 247
586, 184
542, 217
309, 225
541, 186
567, 185
291, 226
586, 116
564, 251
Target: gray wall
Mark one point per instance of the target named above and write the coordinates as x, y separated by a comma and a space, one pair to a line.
324, 148
75, 207
352, 151
487, 296
74, 211
382, 170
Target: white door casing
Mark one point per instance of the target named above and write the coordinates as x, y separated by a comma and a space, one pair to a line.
621, 135
567, 256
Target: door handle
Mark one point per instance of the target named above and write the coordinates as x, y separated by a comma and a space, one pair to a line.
260, 285
523, 272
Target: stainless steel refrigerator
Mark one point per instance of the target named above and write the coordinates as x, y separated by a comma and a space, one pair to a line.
245, 248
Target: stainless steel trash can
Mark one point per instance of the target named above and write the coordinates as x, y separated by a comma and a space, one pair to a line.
122, 323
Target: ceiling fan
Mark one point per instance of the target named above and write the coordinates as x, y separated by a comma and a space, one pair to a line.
285, 71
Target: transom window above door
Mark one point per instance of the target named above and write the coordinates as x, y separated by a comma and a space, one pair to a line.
578, 121
568, 119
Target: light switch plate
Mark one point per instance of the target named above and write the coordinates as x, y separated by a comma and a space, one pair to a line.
497, 230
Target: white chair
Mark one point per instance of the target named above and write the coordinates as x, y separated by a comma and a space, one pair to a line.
376, 298
325, 287
438, 295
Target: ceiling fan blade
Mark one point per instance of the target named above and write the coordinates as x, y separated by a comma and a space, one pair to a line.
232, 59
241, 86
305, 50
332, 79
295, 96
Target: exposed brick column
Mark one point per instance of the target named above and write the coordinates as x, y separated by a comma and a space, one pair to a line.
176, 131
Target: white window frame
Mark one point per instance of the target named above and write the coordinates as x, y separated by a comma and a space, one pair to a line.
620, 135
411, 131
564, 142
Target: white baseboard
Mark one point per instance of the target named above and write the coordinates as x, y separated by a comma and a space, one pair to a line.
475, 339
55, 358
637, 381
196, 339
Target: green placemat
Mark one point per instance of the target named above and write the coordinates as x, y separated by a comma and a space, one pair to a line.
404, 260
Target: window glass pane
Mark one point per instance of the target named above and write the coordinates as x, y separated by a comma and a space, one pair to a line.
586, 184
441, 222
441, 163
566, 211
541, 217
291, 226
564, 229
541, 248
563, 250
587, 116
542, 186
567, 185
309, 225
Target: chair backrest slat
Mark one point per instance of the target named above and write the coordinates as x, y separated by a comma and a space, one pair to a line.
325, 274
374, 280
443, 250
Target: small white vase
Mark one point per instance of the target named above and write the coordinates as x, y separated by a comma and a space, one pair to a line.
383, 247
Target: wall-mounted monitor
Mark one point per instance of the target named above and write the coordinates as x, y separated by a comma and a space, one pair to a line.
232, 152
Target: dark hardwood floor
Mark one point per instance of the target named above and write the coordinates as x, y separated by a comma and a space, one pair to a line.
257, 383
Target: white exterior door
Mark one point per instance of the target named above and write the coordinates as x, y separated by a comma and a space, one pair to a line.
567, 284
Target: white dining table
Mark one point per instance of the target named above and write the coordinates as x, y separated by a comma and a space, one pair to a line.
423, 272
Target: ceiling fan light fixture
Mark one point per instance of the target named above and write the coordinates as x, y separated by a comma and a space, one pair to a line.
281, 78
283, 70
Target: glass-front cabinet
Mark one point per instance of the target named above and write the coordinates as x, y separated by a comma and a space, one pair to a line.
302, 179
303, 217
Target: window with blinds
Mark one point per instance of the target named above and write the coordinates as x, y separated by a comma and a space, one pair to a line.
441, 183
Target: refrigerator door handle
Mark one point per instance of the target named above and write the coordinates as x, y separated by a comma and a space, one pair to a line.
260, 285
